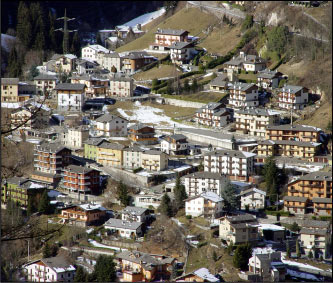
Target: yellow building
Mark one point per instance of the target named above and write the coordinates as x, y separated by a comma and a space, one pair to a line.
110, 154
9, 89
153, 160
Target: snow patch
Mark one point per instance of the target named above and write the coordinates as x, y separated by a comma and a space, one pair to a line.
145, 18
96, 244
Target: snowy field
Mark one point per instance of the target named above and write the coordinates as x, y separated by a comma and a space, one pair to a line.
151, 115
145, 18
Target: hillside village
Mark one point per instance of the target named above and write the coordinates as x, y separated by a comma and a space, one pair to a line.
183, 153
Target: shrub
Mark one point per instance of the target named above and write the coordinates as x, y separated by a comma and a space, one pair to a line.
201, 244
137, 170
188, 216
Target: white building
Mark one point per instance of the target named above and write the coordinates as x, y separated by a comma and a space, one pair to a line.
75, 137
121, 86
53, 269
207, 204
111, 126
175, 145
253, 198
182, 52
110, 60
132, 157
148, 200
45, 83
293, 97
243, 95
238, 165
268, 79
201, 182
71, 97
255, 121
124, 229
133, 213
90, 52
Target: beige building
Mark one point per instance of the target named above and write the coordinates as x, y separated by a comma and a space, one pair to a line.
75, 137
164, 38
243, 95
110, 154
45, 83
253, 199
61, 63
110, 60
239, 229
12, 90
153, 160
121, 87
96, 86
255, 121
111, 126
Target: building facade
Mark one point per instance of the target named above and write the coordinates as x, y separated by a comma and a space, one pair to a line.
153, 160
110, 154
45, 83
71, 97
110, 125
175, 145
164, 38
90, 52
293, 97
121, 87
75, 137
243, 95
208, 205
142, 134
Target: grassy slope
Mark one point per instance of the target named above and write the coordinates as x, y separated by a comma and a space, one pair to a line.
158, 72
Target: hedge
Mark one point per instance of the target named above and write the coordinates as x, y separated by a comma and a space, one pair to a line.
274, 213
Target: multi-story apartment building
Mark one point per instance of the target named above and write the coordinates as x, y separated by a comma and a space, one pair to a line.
142, 134
29, 117
268, 79
243, 95
12, 90
213, 115
81, 179
51, 158
182, 52
121, 86
201, 182
199, 275
45, 83
238, 165
110, 61
135, 214
96, 86
311, 193
111, 126
71, 97
293, 132
132, 157
293, 97
164, 38
207, 204
137, 266
255, 121
135, 60
22, 191
154, 160
287, 148
147, 200
110, 154
316, 237
52, 269
83, 215
91, 147
84, 66
75, 137
90, 52
175, 145
239, 229
253, 199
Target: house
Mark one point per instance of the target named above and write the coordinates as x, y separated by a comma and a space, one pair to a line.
243, 95
142, 134
182, 52
272, 232
213, 114
207, 204
293, 132
253, 199
268, 79
201, 182
135, 214
129, 32
75, 137
287, 148
268, 266
110, 125
239, 229
71, 97
90, 52
293, 97
219, 84
132, 157
174, 144
83, 215
52, 269
96, 86
110, 154
12, 90
81, 179
124, 229
138, 266
105, 33
154, 160
85, 66
249, 63
45, 83
164, 38
90, 147
135, 60
61, 63
238, 165
110, 61
199, 275
148, 200
121, 86
316, 236
22, 191
255, 121
310, 193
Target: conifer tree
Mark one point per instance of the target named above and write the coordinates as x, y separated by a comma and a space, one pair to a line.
80, 275
271, 177
44, 204
194, 85
76, 46
165, 206
180, 193
14, 66
105, 269
288, 249
122, 194
47, 252
298, 251
242, 255
24, 25
230, 198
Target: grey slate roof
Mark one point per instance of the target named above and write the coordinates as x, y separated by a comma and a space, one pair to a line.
134, 210
267, 74
221, 112
118, 223
231, 153
316, 224
298, 128
206, 175
51, 147
313, 232
134, 149
58, 262
17, 180
212, 105
242, 217
9, 81
181, 45
115, 146
95, 142
171, 31
138, 126
221, 80
317, 176
108, 118
241, 86
45, 77
289, 142
78, 169
292, 88
112, 55
121, 79
322, 200
137, 55
68, 86
291, 198
257, 112
153, 152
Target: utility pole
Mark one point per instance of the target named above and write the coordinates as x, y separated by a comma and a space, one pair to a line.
66, 31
